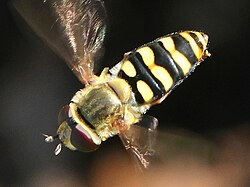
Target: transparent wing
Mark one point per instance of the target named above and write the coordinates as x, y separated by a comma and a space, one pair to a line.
74, 29
140, 141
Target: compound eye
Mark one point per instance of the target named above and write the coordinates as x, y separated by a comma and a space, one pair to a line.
74, 132
81, 139
64, 114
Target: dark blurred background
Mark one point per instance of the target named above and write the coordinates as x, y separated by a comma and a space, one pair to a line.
212, 105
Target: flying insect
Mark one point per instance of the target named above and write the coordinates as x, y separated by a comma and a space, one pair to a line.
115, 102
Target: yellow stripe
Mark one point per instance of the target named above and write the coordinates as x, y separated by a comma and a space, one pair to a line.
129, 68
147, 55
178, 57
145, 91
168, 43
182, 61
201, 39
163, 76
196, 49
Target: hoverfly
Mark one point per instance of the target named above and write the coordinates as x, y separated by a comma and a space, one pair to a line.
114, 102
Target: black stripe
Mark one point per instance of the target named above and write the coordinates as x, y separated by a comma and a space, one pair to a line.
158, 82
196, 39
164, 59
144, 74
132, 82
183, 46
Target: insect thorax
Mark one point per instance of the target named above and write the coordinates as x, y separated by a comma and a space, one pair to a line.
107, 107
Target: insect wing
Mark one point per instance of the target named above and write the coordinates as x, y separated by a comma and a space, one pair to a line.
74, 29
140, 140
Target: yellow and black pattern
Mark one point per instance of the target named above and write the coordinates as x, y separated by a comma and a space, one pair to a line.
156, 68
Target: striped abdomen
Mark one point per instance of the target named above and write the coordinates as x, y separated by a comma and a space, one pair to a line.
156, 68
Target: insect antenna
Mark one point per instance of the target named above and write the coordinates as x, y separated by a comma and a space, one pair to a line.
49, 139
